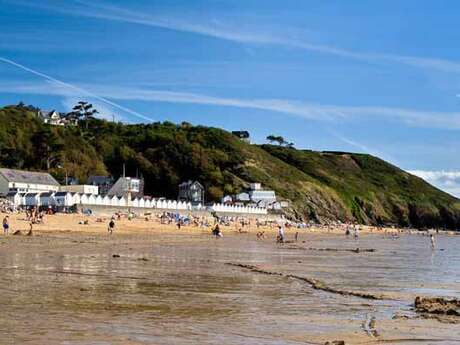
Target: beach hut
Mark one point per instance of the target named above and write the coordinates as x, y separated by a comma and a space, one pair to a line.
99, 200
32, 199
122, 201
114, 201
91, 199
15, 198
135, 202
76, 197
83, 199
63, 199
141, 202
106, 200
46, 199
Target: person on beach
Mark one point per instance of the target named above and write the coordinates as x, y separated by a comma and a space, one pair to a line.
31, 226
433, 241
280, 237
216, 231
356, 232
111, 226
6, 225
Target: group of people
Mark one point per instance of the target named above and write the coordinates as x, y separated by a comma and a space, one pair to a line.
35, 216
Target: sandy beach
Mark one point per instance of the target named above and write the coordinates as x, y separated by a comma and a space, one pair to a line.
150, 283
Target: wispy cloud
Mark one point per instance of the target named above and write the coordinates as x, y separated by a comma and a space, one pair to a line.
303, 109
66, 88
448, 181
231, 32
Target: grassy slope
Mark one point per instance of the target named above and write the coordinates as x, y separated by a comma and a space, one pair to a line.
373, 190
320, 185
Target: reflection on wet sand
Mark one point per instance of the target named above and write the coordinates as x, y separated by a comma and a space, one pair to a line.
80, 288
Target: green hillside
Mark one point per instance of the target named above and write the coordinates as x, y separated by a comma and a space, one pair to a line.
320, 185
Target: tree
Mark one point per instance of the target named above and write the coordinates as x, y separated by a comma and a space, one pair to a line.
83, 110
276, 139
47, 146
271, 138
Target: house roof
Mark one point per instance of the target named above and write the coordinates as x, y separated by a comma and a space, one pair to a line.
191, 183
12, 175
46, 194
241, 134
61, 193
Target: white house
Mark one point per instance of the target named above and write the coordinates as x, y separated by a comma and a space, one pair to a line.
21, 181
55, 118
260, 196
81, 188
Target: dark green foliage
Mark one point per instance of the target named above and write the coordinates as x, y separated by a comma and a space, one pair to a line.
320, 185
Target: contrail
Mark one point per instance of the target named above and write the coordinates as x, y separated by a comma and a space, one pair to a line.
76, 88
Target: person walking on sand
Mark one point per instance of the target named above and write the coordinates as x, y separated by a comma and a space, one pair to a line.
6, 225
280, 237
31, 226
433, 241
111, 226
356, 232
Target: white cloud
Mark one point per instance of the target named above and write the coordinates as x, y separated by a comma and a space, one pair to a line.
232, 32
303, 109
70, 89
448, 181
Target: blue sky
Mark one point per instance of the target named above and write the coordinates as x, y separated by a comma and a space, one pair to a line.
381, 76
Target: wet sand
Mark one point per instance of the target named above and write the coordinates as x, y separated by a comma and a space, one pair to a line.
154, 284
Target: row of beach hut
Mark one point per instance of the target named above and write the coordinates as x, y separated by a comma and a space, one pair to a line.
68, 199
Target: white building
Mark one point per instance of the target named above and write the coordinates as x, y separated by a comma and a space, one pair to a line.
81, 188
55, 118
127, 186
262, 197
21, 181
